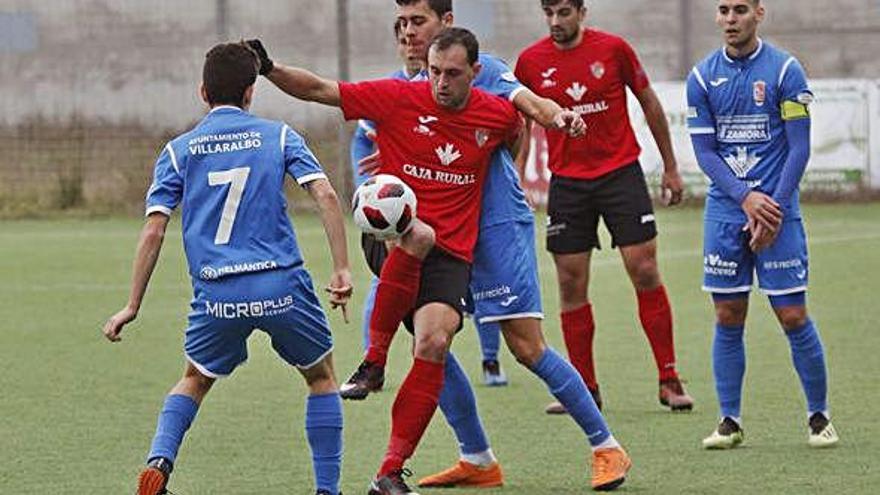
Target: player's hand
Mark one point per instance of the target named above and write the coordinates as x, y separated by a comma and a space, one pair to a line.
761, 238
113, 328
340, 290
266, 64
570, 122
671, 188
370, 164
761, 209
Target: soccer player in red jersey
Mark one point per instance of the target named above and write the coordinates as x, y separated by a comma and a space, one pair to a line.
437, 136
588, 71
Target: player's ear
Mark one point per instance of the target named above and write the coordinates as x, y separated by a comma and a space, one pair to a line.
203, 94
760, 12
248, 97
477, 68
582, 14
447, 20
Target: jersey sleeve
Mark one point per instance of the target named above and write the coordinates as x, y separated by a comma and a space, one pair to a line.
700, 119
299, 161
521, 72
795, 94
496, 78
372, 100
361, 146
631, 68
167, 189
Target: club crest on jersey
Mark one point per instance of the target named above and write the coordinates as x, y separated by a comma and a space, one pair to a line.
598, 69
576, 91
759, 92
447, 154
482, 136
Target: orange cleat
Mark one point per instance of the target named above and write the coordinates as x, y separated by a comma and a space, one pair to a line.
152, 482
609, 468
465, 474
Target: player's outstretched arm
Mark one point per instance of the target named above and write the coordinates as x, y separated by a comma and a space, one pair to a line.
547, 113
671, 184
294, 81
340, 287
149, 246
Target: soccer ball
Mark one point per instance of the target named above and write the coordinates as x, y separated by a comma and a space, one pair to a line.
384, 206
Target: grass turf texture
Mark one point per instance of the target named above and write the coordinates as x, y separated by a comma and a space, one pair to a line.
78, 413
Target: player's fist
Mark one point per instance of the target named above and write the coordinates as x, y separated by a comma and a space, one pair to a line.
266, 64
570, 122
114, 325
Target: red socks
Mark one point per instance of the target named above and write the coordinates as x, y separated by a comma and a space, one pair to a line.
395, 298
577, 330
411, 413
656, 317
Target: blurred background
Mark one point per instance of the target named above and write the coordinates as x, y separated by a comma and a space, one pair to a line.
93, 88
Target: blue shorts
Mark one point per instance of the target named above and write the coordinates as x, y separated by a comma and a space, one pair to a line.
504, 276
282, 303
729, 264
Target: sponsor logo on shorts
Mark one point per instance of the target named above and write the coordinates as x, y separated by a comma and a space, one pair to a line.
801, 275
713, 264
647, 218
743, 128
249, 309
208, 272
492, 293
555, 228
507, 302
783, 264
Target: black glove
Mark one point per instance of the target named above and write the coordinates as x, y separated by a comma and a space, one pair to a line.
266, 64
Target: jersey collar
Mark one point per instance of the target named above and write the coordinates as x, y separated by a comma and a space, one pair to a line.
751, 57
226, 108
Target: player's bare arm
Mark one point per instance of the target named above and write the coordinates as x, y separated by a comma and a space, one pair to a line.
671, 184
296, 82
149, 246
548, 113
340, 287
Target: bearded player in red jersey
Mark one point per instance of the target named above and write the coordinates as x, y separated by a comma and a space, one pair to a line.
588, 71
438, 138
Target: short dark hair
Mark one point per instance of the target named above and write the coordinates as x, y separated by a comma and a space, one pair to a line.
230, 68
578, 4
440, 7
458, 36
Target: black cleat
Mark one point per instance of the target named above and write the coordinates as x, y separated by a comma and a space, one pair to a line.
325, 492
673, 395
154, 477
369, 377
492, 374
392, 484
556, 407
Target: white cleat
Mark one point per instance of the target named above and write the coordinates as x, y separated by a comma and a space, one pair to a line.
822, 432
727, 435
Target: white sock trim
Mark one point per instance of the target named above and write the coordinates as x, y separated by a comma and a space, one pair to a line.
481, 459
609, 443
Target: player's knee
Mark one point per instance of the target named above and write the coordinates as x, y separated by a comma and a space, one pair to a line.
432, 346
194, 384
731, 313
419, 240
645, 275
792, 318
528, 353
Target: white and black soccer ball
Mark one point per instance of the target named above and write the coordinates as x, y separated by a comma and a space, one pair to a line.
384, 206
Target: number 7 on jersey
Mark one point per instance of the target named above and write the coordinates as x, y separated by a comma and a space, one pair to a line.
237, 177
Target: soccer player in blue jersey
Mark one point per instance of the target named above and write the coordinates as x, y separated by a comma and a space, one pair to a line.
505, 289
227, 174
749, 120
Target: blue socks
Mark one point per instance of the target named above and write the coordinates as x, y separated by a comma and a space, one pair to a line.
459, 406
729, 366
324, 433
568, 387
490, 339
809, 361
175, 419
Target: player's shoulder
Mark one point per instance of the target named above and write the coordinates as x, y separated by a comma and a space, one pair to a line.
708, 64
490, 61
594, 35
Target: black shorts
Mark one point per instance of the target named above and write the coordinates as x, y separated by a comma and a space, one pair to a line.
444, 279
620, 197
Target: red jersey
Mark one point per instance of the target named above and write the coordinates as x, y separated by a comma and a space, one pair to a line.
443, 155
591, 80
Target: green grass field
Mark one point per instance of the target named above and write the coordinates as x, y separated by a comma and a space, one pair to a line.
78, 413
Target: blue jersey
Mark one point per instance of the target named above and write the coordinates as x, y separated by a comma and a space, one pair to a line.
361, 144
228, 175
741, 102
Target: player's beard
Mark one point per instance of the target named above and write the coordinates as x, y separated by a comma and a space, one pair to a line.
562, 37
